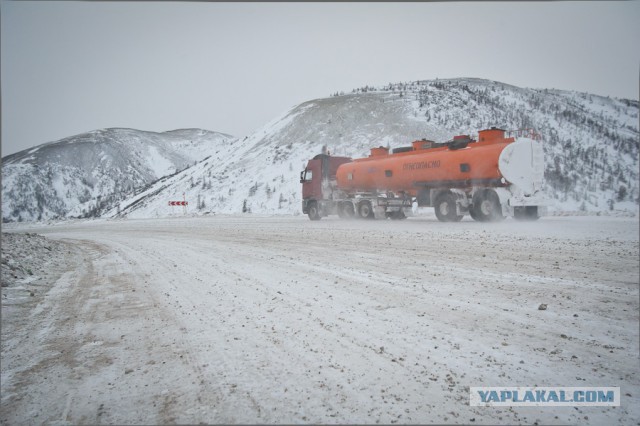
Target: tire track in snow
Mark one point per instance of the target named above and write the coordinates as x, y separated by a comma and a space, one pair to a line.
285, 321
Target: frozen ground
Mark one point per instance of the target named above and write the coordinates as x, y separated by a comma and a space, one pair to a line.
283, 320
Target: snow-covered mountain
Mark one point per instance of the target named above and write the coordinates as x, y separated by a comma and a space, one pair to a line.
80, 175
591, 145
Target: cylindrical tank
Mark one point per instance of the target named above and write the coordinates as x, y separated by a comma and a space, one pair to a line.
460, 164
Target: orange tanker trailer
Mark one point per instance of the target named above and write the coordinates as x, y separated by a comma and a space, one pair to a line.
490, 177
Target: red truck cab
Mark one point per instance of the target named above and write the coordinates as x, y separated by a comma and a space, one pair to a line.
318, 184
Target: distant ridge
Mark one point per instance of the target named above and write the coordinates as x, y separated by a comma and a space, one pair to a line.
79, 175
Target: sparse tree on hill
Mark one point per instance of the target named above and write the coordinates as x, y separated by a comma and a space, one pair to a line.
622, 193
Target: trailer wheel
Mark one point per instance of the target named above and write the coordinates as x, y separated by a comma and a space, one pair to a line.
526, 213
365, 210
314, 211
345, 210
399, 215
472, 213
486, 206
446, 209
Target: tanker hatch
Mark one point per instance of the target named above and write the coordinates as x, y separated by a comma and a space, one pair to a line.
379, 151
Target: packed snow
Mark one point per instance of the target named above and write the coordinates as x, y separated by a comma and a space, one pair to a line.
159, 164
278, 319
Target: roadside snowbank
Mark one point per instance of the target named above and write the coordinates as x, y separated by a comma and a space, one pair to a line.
30, 265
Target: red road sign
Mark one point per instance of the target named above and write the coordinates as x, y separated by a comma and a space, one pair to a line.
178, 203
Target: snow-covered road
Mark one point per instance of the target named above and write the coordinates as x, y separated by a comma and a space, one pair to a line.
283, 320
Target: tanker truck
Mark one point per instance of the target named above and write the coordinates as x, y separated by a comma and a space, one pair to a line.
498, 174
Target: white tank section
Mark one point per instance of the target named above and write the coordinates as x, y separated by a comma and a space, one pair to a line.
522, 164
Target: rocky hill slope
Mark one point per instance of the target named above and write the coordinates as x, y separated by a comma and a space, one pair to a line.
591, 145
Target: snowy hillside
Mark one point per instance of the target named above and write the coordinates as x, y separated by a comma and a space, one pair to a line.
264, 169
591, 145
79, 175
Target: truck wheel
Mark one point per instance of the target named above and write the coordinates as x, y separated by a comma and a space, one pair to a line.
486, 206
340, 210
364, 210
472, 213
399, 215
526, 213
446, 209
345, 210
314, 212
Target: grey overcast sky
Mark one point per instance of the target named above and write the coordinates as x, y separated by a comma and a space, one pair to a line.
74, 66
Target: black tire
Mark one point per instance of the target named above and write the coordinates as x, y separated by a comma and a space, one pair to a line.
314, 212
526, 213
397, 215
345, 210
365, 211
340, 211
472, 213
486, 206
446, 209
